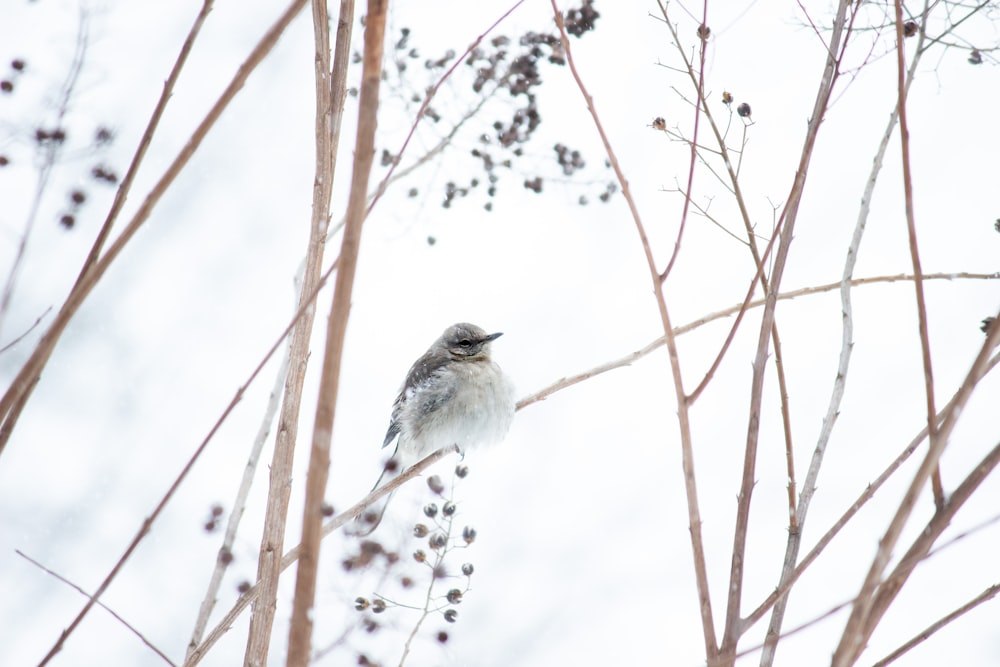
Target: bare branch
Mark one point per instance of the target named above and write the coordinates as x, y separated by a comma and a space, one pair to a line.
840, 380
380, 190
859, 625
300, 632
854, 508
23, 384
50, 155
988, 594
353, 512
627, 360
27, 331
239, 506
19, 391
786, 223
687, 448
103, 606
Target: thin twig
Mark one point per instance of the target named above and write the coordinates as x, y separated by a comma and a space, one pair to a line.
14, 399
628, 359
788, 633
431, 92
103, 606
280, 478
860, 624
19, 391
224, 559
300, 631
988, 594
147, 137
435, 568
693, 160
50, 150
292, 555
702, 106
911, 229
982, 597
922, 544
854, 508
840, 380
27, 331
683, 415
735, 625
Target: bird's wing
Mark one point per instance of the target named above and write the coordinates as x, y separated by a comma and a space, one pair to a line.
417, 379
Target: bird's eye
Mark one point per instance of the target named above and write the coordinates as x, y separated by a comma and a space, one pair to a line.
465, 342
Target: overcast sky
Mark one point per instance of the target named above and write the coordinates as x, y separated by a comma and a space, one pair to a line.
583, 554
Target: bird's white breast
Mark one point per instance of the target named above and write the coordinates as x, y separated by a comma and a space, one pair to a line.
478, 412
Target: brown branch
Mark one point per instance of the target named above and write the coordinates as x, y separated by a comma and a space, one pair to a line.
103, 606
985, 596
860, 623
911, 229
693, 160
280, 478
794, 542
431, 92
702, 106
27, 331
353, 512
27, 378
48, 159
786, 223
855, 507
627, 360
239, 506
147, 137
889, 589
687, 448
20, 389
148, 522
788, 633
733, 186
300, 632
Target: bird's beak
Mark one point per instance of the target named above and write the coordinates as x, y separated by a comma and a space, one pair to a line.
492, 336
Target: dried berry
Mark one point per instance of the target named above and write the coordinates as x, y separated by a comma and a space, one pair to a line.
434, 484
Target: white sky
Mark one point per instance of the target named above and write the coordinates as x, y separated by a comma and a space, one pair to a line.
583, 555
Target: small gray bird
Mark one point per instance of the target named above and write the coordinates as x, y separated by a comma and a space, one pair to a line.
453, 395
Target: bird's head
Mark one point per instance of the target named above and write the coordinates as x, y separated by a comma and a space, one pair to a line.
467, 341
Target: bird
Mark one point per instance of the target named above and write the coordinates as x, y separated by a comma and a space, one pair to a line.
454, 394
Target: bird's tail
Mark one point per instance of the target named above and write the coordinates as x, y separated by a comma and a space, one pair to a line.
368, 521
